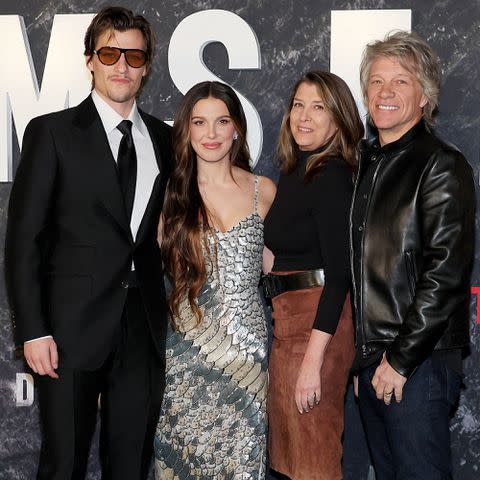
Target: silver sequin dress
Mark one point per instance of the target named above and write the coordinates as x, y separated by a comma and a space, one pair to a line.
213, 419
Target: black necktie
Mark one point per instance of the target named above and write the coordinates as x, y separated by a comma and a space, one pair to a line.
127, 165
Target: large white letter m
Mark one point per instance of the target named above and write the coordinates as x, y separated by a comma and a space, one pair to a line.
66, 80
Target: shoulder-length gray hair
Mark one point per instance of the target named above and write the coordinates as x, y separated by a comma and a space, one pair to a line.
415, 55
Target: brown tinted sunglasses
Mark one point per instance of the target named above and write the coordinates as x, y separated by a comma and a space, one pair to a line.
111, 55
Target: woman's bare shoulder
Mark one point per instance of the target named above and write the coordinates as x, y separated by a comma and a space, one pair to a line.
268, 189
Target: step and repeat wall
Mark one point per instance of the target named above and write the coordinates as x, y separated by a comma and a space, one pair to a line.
260, 49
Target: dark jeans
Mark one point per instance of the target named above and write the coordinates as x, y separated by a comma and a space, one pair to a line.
411, 439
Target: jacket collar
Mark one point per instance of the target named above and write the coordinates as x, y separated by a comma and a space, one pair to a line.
374, 144
110, 118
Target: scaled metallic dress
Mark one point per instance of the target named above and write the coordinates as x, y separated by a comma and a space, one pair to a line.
213, 419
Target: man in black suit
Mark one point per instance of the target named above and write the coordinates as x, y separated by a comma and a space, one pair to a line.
83, 267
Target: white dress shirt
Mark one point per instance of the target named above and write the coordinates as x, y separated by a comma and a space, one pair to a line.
147, 167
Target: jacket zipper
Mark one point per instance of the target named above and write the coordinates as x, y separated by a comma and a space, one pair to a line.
352, 263
360, 323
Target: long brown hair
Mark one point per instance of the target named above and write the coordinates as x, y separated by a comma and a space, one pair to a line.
340, 104
186, 223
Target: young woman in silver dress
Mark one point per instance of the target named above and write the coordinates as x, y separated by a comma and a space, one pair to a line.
213, 418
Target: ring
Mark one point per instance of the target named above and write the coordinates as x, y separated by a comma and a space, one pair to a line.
388, 394
311, 395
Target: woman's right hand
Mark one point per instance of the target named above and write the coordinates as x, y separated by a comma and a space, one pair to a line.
308, 389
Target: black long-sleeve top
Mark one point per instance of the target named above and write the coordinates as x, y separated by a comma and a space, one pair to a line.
307, 228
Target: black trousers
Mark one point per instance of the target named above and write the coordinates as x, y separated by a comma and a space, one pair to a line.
131, 385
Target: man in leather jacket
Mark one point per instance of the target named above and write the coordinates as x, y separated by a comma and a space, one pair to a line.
412, 237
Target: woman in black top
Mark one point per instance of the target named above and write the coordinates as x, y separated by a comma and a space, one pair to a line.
307, 231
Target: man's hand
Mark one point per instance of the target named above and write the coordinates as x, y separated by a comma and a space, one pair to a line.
42, 356
388, 382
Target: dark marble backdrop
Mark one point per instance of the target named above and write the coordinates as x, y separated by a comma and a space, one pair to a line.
294, 37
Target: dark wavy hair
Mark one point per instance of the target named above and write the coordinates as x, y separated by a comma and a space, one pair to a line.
340, 104
121, 19
186, 220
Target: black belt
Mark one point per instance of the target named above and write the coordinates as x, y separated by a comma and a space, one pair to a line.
274, 285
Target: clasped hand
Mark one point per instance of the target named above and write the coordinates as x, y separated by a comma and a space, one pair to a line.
387, 382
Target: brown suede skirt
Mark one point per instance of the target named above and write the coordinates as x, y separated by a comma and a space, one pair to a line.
307, 446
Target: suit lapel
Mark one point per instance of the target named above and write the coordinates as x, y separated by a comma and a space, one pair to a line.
152, 212
97, 156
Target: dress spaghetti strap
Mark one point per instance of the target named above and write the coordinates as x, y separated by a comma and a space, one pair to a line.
255, 196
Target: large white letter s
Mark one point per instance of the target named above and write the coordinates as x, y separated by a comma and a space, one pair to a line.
185, 58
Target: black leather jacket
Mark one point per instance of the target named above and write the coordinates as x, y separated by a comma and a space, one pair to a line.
411, 294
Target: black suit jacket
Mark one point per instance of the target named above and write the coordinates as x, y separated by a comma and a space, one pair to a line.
69, 246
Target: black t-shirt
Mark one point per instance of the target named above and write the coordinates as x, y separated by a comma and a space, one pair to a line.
307, 228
